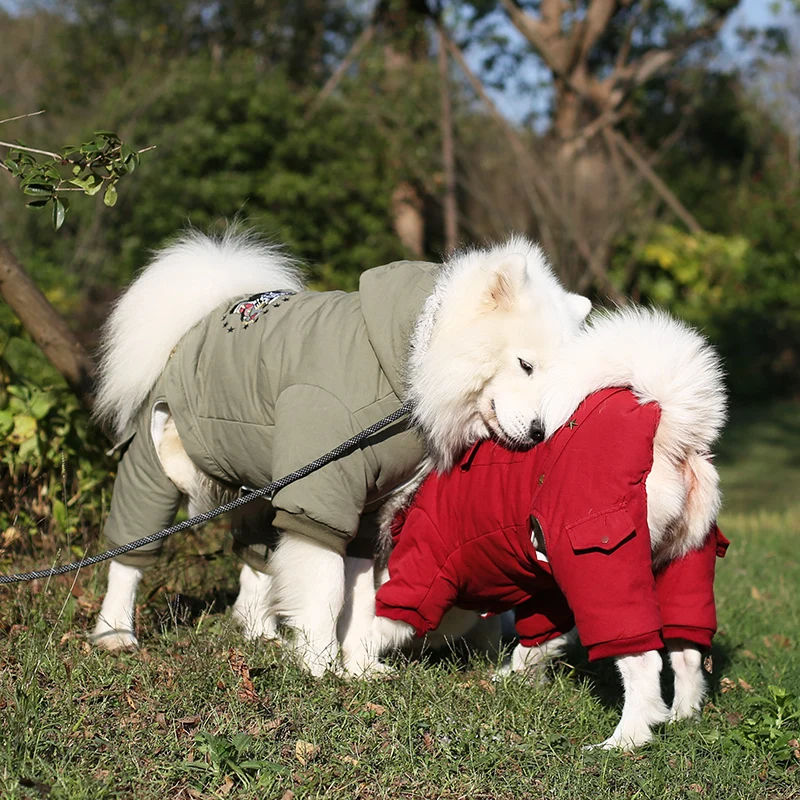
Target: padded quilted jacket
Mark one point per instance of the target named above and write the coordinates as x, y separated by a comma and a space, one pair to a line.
560, 534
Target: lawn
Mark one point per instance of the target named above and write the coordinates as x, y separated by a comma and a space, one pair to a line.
199, 713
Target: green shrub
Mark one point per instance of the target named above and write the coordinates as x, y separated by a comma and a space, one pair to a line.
54, 473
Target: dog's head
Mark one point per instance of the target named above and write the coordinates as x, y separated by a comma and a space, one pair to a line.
498, 316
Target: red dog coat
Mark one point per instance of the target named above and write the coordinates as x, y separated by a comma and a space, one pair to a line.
466, 540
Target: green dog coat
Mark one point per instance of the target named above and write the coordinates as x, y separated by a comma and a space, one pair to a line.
268, 383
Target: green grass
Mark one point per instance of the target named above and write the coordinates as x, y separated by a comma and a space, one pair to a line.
199, 713
759, 458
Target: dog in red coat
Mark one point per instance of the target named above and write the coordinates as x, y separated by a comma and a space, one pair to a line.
607, 525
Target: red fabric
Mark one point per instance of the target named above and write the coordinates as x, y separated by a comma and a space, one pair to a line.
685, 590
466, 540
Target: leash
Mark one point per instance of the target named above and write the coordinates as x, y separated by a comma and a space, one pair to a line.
268, 492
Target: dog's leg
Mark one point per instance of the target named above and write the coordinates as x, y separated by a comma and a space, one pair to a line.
308, 586
389, 634
253, 607
535, 660
690, 687
115, 626
643, 706
355, 624
486, 636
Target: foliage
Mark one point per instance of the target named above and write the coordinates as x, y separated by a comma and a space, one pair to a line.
223, 756
746, 299
55, 475
92, 167
232, 142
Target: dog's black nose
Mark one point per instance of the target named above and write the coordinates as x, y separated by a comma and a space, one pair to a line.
536, 432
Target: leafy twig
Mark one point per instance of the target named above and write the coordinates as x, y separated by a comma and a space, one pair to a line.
93, 167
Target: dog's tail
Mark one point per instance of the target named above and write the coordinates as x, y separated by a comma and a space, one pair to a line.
183, 284
661, 359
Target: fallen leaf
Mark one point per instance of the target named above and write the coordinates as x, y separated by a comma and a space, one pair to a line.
726, 685
349, 760
745, 685
488, 686
749, 654
288, 795
129, 700
227, 786
305, 751
427, 741
188, 722
247, 691
696, 787
754, 593
375, 708
733, 718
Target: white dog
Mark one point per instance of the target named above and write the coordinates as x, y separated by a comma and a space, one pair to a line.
663, 362
222, 390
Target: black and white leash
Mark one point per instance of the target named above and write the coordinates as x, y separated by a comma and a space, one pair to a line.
268, 492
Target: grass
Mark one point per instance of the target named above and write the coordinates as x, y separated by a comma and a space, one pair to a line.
199, 713
759, 458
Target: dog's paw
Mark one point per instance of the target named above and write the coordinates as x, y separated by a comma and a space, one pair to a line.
625, 738
255, 626
681, 711
365, 671
114, 641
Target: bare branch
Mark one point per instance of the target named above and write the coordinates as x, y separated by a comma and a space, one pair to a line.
330, 85
22, 116
56, 156
649, 174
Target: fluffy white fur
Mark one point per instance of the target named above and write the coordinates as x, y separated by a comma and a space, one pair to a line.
491, 311
184, 283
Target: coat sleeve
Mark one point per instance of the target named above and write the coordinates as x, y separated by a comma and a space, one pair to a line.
543, 618
420, 589
686, 592
327, 504
144, 499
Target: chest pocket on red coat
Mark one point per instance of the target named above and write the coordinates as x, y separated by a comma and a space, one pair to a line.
603, 530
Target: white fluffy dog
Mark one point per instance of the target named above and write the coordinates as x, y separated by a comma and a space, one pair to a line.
490, 319
662, 361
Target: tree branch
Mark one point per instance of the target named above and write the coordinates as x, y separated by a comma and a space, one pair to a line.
330, 85
46, 327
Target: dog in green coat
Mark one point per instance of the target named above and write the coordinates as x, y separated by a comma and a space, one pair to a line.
221, 371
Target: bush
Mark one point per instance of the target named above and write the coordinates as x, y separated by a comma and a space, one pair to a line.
55, 476
746, 298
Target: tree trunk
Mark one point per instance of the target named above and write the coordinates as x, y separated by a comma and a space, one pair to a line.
408, 219
448, 151
46, 327
406, 43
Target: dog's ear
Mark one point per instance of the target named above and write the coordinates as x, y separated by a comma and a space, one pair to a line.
509, 274
580, 305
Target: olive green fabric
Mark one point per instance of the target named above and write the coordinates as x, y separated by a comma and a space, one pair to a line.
253, 402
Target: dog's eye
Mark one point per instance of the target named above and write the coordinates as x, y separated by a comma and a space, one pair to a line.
526, 367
